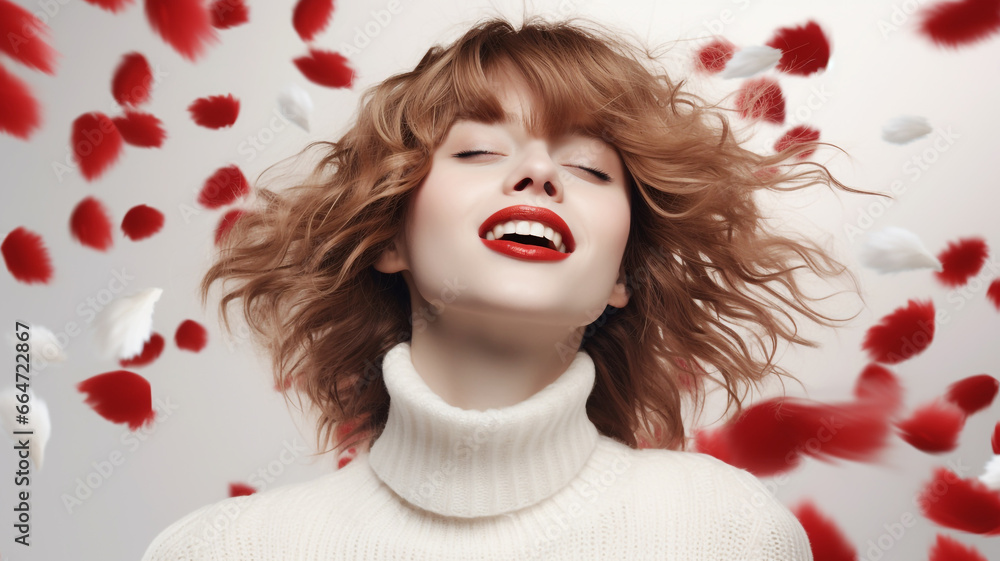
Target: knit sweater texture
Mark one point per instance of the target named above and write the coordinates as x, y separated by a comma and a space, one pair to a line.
534, 480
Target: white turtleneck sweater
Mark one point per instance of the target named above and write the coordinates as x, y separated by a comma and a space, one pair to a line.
533, 480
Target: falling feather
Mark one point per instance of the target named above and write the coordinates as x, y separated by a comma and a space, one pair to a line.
229, 13
827, 541
240, 490
974, 393
22, 114
226, 223
141, 222
995, 441
761, 98
991, 473
961, 504
326, 69
140, 129
184, 24
26, 256
96, 144
311, 16
133, 80
39, 423
712, 58
120, 396
151, 350
955, 24
879, 386
905, 128
122, 328
191, 336
25, 38
296, 105
950, 549
901, 335
933, 427
993, 293
805, 49
961, 260
795, 137
215, 112
110, 5
894, 249
90, 224
750, 60
346, 457
224, 187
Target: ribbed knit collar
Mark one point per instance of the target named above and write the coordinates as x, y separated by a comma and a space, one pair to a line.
468, 463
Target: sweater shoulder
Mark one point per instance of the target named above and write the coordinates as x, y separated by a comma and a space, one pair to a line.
220, 531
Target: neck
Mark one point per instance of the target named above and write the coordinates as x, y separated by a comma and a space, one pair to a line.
490, 362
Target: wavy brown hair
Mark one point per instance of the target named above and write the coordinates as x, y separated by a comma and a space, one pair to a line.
700, 261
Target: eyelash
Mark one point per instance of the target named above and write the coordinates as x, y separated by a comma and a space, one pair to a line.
597, 173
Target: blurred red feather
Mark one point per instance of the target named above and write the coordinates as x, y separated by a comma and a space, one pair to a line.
953, 24
949, 549
712, 58
901, 335
229, 13
90, 224
184, 24
962, 504
24, 38
151, 350
141, 222
96, 144
974, 393
804, 49
215, 111
761, 98
827, 541
326, 69
933, 427
120, 397
993, 293
133, 80
227, 221
240, 490
22, 114
995, 441
224, 187
878, 385
140, 129
110, 5
961, 260
311, 16
191, 336
26, 257
795, 136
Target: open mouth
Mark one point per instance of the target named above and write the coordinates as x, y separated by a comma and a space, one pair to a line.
534, 234
529, 226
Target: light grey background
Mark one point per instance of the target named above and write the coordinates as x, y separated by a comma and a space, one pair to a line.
228, 423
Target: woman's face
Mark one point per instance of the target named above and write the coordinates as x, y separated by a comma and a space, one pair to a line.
571, 190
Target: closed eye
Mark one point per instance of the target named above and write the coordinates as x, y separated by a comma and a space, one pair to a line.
596, 172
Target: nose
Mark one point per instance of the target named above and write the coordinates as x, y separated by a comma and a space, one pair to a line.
537, 174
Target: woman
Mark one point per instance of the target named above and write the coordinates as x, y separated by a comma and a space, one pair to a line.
501, 285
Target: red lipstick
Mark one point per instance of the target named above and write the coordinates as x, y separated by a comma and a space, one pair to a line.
526, 251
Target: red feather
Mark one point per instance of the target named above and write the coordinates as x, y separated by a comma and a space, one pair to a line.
879, 386
24, 38
346, 459
949, 549
714, 443
311, 16
796, 136
712, 58
761, 98
90, 224
229, 13
133, 80
827, 541
96, 144
326, 69
21, 113
933, 427
184, 24
240, 490
140, 129
110, 5
150, 351
993, 293
901, 335
961, 261
953, 24
26, 257
804, 49
215, 111
120, 397
141, 222
224, 186
191, 336
963, 504
995, 441
974, 393
226, 223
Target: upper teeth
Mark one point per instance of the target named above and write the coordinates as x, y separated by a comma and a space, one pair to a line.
527, 228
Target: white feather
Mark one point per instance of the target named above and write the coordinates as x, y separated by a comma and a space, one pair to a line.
903, 129
43, 342
123, 326
895, 249
38, 423
991, 475
296, 105
751, 60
